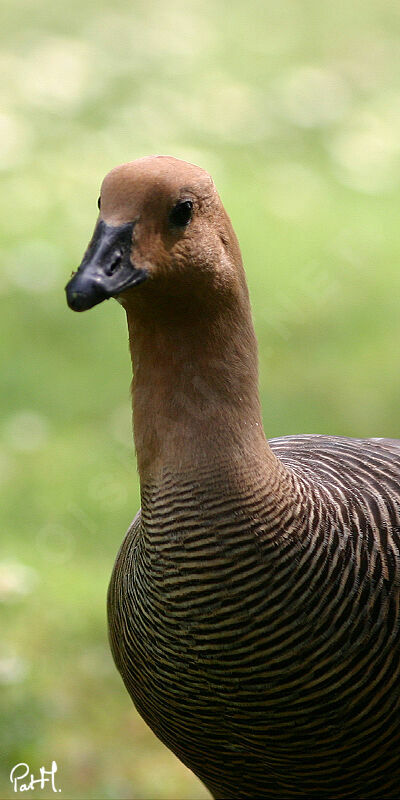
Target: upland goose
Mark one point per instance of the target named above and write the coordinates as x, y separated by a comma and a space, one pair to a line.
254, 604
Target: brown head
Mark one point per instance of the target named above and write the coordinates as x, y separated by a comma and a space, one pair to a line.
162, 233
165, 247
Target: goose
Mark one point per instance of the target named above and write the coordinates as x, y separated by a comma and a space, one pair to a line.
254, 603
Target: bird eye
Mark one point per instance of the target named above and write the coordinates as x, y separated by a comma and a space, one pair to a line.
181, 213
99, 203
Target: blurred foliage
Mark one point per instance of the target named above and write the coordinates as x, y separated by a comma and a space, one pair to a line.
294, 107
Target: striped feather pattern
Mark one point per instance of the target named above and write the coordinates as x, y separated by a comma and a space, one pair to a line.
255, 620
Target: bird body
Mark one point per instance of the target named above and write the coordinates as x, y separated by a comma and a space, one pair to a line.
260, 639
254, 604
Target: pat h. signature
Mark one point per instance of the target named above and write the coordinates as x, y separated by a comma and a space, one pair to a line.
23, 779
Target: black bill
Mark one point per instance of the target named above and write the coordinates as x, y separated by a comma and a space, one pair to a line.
106, 269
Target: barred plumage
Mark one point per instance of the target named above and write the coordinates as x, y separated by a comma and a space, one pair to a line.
254, 604
264, 649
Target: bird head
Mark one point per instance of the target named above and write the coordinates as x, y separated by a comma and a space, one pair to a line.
162, 231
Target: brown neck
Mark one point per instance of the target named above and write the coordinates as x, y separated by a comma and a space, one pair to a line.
195, 386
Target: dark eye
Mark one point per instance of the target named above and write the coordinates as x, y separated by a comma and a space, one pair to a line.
99, 203
181, 214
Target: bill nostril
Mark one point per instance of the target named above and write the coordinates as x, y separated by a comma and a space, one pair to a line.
114, 264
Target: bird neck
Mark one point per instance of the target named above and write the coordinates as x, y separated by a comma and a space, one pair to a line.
195, 388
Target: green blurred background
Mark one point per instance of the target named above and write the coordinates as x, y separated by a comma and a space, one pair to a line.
294, 107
